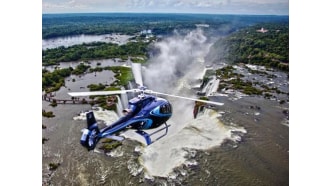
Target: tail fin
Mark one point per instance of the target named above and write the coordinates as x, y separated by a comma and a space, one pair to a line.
90, 136
90, 120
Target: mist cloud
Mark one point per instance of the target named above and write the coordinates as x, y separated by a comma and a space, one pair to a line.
178, 55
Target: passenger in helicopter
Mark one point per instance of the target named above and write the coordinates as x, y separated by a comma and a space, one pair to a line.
127, 111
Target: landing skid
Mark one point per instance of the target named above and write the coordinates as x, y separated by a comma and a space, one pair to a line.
147, 136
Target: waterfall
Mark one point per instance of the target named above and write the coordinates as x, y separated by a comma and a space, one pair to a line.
211, 87
119, 106
207, 88
130, 86
124, 98
130, 95
214, 87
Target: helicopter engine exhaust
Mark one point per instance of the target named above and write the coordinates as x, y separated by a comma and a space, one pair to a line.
90, 136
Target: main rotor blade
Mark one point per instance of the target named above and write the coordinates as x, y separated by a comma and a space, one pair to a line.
200, 100
100, 93
136, 68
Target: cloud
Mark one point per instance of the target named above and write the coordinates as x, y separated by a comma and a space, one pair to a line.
63, 5
184, 6
213, 6
83, 5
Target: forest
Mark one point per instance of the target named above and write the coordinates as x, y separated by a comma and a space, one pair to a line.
95, 50
250, 46
60, 25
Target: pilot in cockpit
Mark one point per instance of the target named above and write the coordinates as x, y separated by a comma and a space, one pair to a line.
127, 111
130, 111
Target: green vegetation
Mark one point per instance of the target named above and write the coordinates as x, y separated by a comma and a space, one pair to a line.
94, 87
123, 75
56, 78
47, 114
270, 49
80, 69
228, 72
54, 103
245, 86
44, 140
52, 81
53, 166
93, 51
138, 59
106, 102
204, 98
233, 80
59, 25
109, 144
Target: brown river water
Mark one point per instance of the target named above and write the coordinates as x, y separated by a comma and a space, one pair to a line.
243, 142
256, 155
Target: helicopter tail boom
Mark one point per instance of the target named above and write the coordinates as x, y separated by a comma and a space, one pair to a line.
90, 135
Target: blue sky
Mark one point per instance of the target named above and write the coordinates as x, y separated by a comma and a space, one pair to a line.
265, 7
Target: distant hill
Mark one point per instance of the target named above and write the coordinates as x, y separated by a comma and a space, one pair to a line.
261, 44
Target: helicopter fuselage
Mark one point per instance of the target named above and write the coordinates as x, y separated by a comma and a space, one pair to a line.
152, 111
147, 112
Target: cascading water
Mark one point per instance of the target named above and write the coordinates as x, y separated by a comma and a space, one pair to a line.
124, 99
185, 135
119, 105
211, 87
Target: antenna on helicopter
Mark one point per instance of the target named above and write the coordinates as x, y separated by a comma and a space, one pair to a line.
142, 89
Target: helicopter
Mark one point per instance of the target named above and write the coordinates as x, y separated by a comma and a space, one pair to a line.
145, 111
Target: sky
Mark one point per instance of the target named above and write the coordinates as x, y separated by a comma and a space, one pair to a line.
254, 7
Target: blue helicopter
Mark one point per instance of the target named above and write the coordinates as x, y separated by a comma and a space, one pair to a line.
145, 111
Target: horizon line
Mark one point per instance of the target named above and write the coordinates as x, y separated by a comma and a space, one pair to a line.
199, 13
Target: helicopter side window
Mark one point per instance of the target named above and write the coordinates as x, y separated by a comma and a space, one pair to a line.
132, 107
165, 109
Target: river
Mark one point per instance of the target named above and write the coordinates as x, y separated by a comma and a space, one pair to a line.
244, 142
80, 39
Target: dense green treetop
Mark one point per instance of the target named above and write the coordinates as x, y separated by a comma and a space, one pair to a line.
59, 25
251, 46
92, 51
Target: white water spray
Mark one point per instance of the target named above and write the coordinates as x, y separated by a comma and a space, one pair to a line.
180, 62
171, 72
